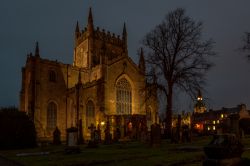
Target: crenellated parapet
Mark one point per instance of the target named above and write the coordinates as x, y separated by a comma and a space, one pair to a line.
102, 35
94, 46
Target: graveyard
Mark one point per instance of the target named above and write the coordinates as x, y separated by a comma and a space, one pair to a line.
131, 153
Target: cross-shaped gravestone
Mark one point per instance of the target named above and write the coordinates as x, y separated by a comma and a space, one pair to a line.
92, 129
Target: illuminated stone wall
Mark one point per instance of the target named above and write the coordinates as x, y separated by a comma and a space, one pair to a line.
100, 59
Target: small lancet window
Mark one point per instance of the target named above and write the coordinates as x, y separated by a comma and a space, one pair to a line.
52, 76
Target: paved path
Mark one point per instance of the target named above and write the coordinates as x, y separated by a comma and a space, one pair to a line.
7, 162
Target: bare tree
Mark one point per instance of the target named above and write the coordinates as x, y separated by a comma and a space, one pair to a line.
246, 45
177, 57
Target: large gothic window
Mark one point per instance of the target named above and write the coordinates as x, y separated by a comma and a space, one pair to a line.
90, 113
51, 116
123, 97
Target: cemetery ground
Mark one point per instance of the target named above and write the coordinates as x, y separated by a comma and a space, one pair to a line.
124, 153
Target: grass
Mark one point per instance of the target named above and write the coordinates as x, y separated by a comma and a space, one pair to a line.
127, 154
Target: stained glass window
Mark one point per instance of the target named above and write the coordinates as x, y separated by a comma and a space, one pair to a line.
123, 97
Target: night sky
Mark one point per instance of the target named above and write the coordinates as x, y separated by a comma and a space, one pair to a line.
52, 24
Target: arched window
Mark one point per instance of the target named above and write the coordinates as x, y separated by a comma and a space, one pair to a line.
123, 97
51, 116
52, 76
90, 114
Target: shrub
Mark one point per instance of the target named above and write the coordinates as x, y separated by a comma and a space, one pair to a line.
16, 129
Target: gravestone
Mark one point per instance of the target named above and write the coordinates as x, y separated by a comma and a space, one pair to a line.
93, 142
97, 137
99, 133
224, 149
108, 136
80, 134
92, 129
72, 146
186, 134
155, 135
174, 135
57, 137
117, 135
144, 136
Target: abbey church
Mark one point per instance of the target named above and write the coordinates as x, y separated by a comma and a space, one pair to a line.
102, 87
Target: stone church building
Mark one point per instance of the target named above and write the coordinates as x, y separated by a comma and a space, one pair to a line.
102, 86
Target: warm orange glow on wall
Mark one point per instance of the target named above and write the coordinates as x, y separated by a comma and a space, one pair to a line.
199, 126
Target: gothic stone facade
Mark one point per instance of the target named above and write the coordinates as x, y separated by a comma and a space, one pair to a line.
102, 84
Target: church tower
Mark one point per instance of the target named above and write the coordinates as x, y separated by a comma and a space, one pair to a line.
199, 107
83, 53
94, 46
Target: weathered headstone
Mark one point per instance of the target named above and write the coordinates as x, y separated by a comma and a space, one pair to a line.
97, 136
155, 135
185, 134
99, 133
92, 129
72, 146
93, 142
57, 137
108, 136
117, 135
80, 134
224, 149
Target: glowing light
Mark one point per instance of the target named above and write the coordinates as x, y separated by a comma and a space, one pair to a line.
218, 121
213, 127
213, 121
199, 98
102, 123
208, 128
222, 116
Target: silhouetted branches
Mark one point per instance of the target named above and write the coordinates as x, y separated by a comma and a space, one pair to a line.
246, 45
177, 57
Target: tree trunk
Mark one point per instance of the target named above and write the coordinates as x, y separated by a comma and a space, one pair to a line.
169, 112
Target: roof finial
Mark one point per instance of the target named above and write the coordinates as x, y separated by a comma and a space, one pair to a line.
90, 26
142, 61
124, 38
37, 50
124, 33
90, 18
77, 30
77, 27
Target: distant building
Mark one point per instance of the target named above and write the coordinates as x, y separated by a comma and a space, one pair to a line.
214, 121
185, 119
200, 106
103, 84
